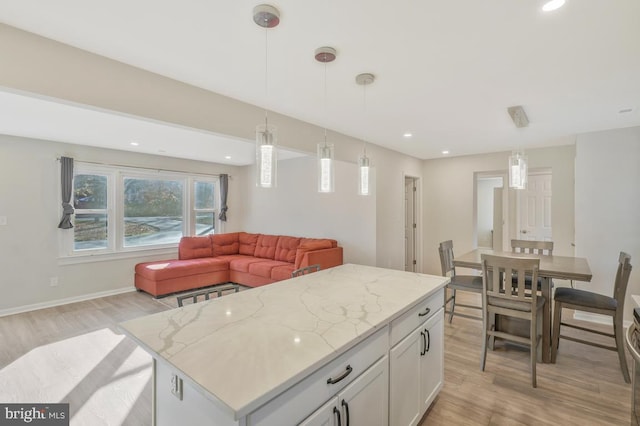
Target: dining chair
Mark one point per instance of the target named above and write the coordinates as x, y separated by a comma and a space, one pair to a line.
305, 270
542, 248
587, 301
206, 293
501, 297
470, 283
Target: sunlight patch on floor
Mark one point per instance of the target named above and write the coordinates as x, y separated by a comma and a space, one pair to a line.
101, 374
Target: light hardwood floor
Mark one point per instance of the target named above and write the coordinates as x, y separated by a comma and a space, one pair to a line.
75, 354
584, 387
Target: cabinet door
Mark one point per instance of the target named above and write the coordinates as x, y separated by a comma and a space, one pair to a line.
327, 415
432, 361
405, 401
365, 401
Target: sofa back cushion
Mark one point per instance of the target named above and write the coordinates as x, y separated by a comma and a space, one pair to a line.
247, 243
266, 246
312, 244
225, 244
286, 249
195, 247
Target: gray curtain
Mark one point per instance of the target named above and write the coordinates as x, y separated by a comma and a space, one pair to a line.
224, 187
66, 180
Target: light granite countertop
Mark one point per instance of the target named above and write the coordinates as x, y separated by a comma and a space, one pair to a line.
245, 348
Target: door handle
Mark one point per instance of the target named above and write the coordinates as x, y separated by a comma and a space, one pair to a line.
424, 344
524, 231
337, 413
346, 410
428, 341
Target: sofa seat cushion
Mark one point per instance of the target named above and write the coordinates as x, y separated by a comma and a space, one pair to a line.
195, 247
263, 269
167, 269
241, 263
283, 272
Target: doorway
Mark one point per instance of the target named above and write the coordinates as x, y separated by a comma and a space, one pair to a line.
410, 223
486, 199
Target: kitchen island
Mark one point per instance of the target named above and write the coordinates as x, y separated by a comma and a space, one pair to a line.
351, 341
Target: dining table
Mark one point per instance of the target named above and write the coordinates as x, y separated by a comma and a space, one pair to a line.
551, 267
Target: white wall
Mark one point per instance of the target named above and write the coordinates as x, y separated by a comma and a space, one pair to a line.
30, 200
449, 201
608, 206
296, 208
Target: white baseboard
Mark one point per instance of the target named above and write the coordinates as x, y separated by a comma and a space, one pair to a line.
597, 318
65, 301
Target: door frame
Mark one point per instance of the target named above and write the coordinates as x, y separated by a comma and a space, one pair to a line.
417, 209
505, 201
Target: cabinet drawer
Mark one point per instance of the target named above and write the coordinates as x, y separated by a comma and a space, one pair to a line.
401, 327
296, 403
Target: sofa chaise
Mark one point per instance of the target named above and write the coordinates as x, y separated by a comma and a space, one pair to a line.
239, 257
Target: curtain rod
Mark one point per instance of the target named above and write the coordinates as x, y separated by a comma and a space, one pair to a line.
144, 168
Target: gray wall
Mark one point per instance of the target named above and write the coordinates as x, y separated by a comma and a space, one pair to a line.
608, 207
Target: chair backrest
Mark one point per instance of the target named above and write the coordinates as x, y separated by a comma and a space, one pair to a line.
534, 247
446, 258
622, 278
504, 278
305, 270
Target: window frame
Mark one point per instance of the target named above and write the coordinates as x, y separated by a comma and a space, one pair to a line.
116, 176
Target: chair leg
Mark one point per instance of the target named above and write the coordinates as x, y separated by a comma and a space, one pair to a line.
485, 341
618, 331
453, 304
534, 349
555, 335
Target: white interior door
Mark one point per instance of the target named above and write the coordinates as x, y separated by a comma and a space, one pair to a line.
410, 224
535, 209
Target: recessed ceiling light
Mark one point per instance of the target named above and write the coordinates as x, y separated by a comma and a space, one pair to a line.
227, 157
408, 134
134, 143
553, 5
445, 152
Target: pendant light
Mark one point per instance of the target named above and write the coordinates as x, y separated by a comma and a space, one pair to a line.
326, 164
518, 170
518, 160
267, 17
364, 187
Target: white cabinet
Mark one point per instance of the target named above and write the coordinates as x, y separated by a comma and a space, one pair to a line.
363, 402
416, 371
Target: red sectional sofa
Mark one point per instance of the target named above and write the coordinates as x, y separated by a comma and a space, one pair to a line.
239, 257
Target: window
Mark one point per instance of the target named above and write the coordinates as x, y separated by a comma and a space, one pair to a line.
90, 204
127, 209
153, 211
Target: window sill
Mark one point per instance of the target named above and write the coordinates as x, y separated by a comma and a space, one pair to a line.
106, 257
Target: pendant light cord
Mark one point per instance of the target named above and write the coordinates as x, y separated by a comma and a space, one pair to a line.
266, 76
364, 109
326, 115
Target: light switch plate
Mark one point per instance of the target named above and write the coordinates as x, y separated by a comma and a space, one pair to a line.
176, 386
3, 220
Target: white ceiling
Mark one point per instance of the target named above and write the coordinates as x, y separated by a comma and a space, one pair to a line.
445, 71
